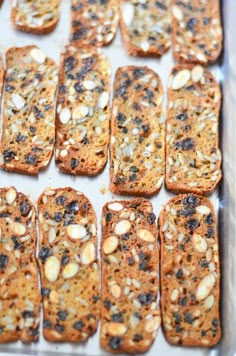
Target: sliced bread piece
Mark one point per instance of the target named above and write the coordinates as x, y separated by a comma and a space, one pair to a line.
68, 265
190, 272
19, 291
28, 127
83, 111
130, 258
193, 158
35, 16
137, 133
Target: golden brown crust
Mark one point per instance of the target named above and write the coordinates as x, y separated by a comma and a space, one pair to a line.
137, 133
130, 312
189, 257
2, 75
19, 294
93, 23
83, 112
193, 158
141, 34
44, 22
28, 128
68, 265
196, 38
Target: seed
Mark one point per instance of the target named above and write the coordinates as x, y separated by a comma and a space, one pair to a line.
65, 116
116, 329
37, 55
52, 268
18, 101
76, 232
11, 195
103, 100
110, 244
199, 243
174, 295
70, 270
127, 13
209, 302
145, 235
202, 209
152, 324
177, 13
181, 78
116, 291
52, 235
18, 228
197, 73
122, 227
88, 254
115, 206
205, 286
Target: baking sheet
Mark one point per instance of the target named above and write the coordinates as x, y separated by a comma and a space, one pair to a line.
96, 189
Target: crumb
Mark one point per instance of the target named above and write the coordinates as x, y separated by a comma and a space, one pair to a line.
103, 190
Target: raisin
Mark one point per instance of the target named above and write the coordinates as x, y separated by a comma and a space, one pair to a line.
203, 333
17, 244
177, 317
72, 207
45, 292
62, 314
210, 233
179, 273
186, 144
191, 23
27, 314
115, 342
209, 219
137, 121
183, 301
191, 200
134, 169
34, 332
133, 177
215, 322
78, 325
24, 208
118, 318
206, 20
96, 298
187, 212
108, 217
8, 155
145, 298
79, 88
31, 159
60, 200
59, 328
203, 263
188, 318
82, 32
131, 261
74, 163
107, 304
120, 118
3, 261
151, 218
20, 138
58, 217
64, 260
137, 337
9, 88
138, 73
32, 129
159, 5
1, 329
192, 224
47, 324
125, 237
44, 253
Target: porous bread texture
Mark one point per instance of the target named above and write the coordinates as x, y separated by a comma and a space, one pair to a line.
146, 30
83, 111
197, 32
137, 133
28, 124
190, 272
19, 291
193, 157
35, 16
130, 316
93, 23
68, 265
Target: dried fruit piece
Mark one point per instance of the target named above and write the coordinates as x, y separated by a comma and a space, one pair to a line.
190, 275
70, 290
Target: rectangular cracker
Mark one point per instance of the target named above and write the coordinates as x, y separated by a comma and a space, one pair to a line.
130, 311
68, 265
19, 291
146, 27
35, 16
137, 133
193, 158
28, 128
190, 272
197, 31
93, 23
83, 111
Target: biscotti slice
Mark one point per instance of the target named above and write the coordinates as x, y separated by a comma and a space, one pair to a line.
93, 23
146, 27
130, 311
2, 74
197, 31
137, 133
83, 111
28, 128
19, 291
35, 16
68, 265
193, 159
190, 276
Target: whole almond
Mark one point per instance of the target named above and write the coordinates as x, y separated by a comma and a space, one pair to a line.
110, 244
